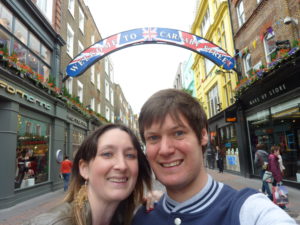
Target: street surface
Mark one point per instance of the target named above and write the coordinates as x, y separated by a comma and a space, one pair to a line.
25, 210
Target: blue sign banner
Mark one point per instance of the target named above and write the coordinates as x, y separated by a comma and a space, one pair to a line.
148, 35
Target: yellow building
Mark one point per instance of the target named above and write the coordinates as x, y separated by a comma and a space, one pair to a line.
214, 86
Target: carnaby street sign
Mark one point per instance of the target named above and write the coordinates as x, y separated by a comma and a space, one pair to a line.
148, 35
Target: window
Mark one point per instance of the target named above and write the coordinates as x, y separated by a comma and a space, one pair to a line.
81, 20
92, 39
270, 45
93, 74
71, 7
93, 104
34, 44
107, 113
32, 153
106, 66
205, 23
5, 18
99, 108
241, 13
21, 32
112, 117
223, 37
208, 66
213, 99
98, 82
80, 47
46, 7
106, 90
80, 91
70, 40
46, 54
247, 64
69, 85
111, 96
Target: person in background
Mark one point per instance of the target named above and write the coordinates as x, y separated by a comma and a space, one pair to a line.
261, 163
274, 166
281, 166
219, 159
173, 126
65, 170
109, 177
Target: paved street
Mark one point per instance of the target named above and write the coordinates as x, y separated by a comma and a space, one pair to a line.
17, 214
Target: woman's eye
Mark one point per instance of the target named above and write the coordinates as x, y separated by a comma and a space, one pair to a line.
179, 133
131, 155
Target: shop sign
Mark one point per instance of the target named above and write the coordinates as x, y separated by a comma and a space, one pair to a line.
77, 121
23, 95
268, 94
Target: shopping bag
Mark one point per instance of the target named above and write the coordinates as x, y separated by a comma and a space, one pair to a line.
280, 195
268, 177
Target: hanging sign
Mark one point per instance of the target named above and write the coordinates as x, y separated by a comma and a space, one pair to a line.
148, 35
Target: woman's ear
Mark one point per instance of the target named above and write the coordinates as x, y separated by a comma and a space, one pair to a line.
84, 169
204, 137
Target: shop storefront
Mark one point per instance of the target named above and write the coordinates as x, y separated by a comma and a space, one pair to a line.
272, 117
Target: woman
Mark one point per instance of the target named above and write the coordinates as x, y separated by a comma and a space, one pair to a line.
273, 165
109, 176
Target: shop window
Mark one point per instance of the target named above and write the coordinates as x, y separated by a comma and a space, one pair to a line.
32, 154
279, 125
46, 54
33, 62
21, 32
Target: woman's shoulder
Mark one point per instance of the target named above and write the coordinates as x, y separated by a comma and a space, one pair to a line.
60, 215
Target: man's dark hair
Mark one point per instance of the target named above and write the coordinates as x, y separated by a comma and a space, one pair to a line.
172, 102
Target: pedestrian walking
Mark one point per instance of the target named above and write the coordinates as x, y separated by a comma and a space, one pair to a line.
65, 170
173, 126
261, 163
220, 159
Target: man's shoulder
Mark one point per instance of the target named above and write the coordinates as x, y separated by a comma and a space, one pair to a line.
142, 216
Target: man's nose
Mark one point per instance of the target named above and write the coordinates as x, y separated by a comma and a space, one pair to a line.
166, 146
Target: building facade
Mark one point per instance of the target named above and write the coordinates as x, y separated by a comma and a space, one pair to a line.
266, 37
215, 86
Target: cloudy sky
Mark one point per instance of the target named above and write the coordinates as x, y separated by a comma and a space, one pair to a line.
145, 69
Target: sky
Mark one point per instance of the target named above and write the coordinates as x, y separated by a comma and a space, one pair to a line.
142, 70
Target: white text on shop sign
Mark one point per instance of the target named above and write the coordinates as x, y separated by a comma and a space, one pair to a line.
14, 91
268, 94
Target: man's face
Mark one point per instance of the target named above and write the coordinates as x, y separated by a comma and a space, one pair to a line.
175, 155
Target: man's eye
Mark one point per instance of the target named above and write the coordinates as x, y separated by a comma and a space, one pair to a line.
152, 138
106, 154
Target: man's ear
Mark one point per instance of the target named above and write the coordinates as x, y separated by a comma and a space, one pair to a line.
204, 137
84, 169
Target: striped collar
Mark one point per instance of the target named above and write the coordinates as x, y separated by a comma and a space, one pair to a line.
198, 202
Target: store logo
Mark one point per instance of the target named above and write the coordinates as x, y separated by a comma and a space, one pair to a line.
13, 91
77, 121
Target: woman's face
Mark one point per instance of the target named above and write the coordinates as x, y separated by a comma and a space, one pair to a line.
113, 173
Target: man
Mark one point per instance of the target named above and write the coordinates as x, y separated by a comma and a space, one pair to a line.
174, 128
65, 170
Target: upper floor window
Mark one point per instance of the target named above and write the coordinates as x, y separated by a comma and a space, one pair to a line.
111, 96
93, 104
106, 90
270, 45
205, 23
81, 20
247, 63
80, 91
93, 74
92, 39
223, 36
80, 47
99, 108
106, 66
107, 113
69, 85
71, 7
70, 40
213, 100
208, 66
98, 81
241, 13
46, 7
5, 17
